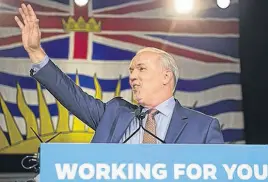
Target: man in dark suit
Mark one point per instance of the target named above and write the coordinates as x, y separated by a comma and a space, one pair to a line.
153, 78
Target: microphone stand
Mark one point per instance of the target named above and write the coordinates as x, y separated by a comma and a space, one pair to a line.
141, 115
153, 135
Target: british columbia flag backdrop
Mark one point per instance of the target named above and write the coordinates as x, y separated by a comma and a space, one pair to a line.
94, 44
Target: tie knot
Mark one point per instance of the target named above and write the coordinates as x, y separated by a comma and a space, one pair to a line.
152, 112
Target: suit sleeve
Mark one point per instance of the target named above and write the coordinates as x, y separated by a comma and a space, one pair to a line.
63, 88
214, 135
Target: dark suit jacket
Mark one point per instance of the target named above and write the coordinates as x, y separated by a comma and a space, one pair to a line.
111, 119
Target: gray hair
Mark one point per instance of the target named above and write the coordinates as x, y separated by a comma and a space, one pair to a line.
168, 62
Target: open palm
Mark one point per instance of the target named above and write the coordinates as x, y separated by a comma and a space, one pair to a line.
31, 34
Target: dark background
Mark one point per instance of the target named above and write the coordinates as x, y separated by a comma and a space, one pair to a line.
254, 63
253, 47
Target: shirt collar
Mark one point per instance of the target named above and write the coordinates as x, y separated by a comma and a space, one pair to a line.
165, 107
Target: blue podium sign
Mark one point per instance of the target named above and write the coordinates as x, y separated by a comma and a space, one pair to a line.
150, 163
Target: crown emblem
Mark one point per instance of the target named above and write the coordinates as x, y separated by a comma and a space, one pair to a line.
81, 25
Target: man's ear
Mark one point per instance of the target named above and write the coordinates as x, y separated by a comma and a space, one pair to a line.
168, 75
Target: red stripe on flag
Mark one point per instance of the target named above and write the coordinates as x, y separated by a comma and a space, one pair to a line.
17, 38
10, 40
36, 7
80, 38
143, 25
169, 48
80, 45
135, 8
170, 26
7, 20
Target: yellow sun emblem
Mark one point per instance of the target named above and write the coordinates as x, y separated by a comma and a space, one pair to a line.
79, 133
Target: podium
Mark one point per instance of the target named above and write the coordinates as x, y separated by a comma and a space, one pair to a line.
151, 163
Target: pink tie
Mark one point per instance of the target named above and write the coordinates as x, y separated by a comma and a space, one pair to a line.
150, 125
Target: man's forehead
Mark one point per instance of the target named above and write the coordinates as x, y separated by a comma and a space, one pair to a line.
144, 58
138, 62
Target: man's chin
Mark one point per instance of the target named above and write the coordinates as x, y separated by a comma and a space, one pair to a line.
138, 99
141, 102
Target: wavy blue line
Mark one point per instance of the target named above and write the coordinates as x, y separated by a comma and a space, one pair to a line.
51, 48
223, 106
111, 53
230, 135
212, 109
97, 4
110, 85
62, 1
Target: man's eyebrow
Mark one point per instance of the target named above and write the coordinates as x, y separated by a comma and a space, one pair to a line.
132, 67
141, 64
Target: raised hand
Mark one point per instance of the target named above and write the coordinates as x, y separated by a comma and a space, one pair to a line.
31, 34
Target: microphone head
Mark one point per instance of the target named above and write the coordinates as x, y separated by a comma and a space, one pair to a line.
142, 115
138, 111
139, 114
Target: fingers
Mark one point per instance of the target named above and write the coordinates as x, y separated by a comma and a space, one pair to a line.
29, 17
36, 25
31, 13
20, 24
25, 12
23, 16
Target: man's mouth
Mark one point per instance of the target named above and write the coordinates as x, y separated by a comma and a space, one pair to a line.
135, 87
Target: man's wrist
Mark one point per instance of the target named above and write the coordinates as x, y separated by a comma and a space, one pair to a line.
37, 66
37, 56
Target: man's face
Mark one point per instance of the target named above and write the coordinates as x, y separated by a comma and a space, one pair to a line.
146, 75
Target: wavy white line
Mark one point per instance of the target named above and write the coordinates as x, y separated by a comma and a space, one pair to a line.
187, 99
111, 69
231, 120
9, 31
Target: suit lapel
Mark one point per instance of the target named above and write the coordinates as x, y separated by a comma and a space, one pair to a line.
123, 121
177, 124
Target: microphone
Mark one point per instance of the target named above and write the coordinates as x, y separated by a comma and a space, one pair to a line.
140, 115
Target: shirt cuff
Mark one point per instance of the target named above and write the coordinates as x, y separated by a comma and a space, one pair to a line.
37, 66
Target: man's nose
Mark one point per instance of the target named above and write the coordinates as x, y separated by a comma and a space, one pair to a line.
133, 75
